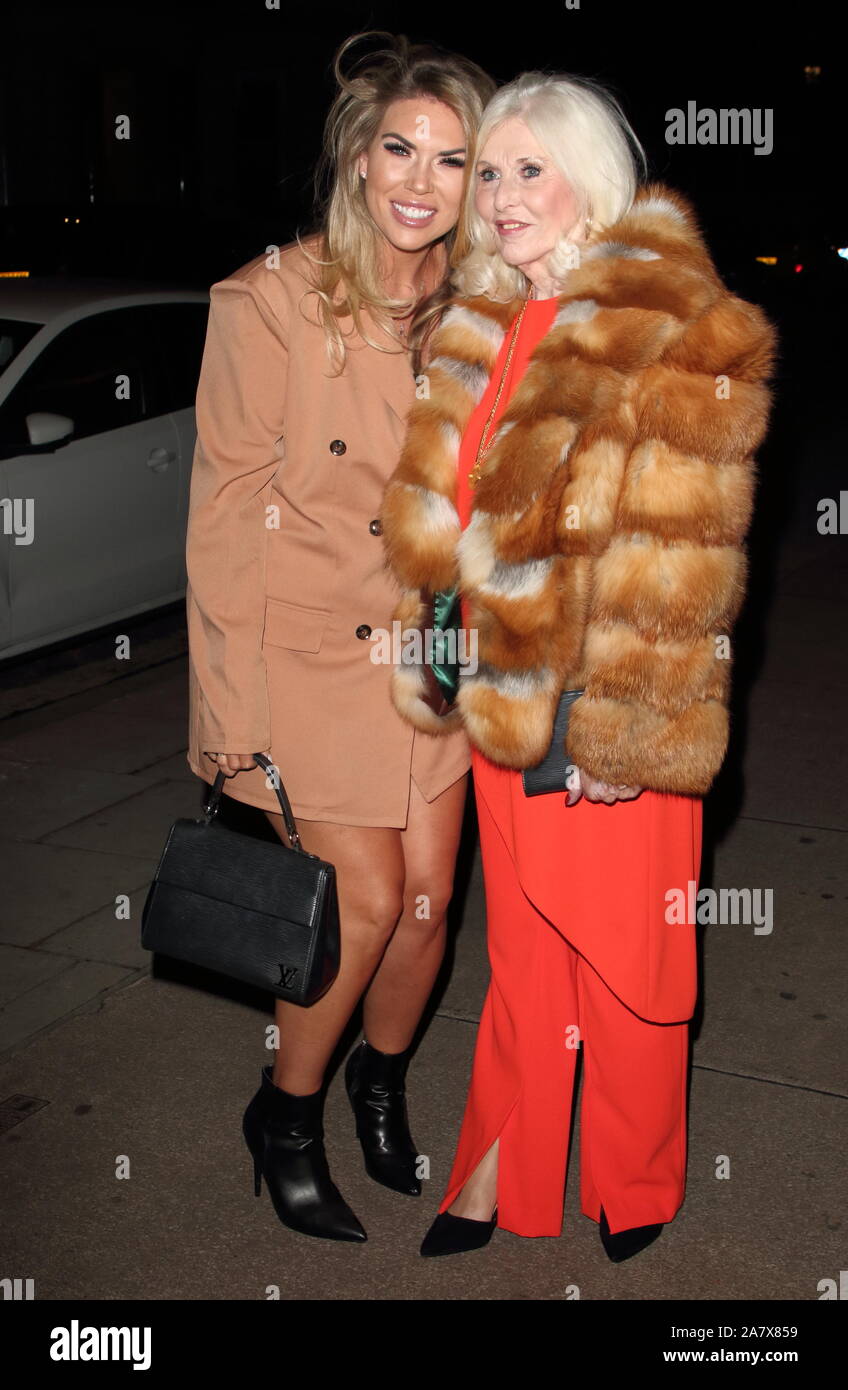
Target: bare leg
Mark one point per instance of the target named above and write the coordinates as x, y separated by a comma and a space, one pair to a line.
478, 1198
369, 863
403, 982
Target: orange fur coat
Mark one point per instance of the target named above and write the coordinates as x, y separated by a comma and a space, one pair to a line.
606, 543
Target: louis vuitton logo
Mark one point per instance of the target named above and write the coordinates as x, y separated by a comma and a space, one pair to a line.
287, 974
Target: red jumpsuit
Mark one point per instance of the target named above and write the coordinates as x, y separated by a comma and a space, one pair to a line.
581, 953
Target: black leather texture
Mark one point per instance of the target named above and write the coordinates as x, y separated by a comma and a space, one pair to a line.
262, 913
550, 775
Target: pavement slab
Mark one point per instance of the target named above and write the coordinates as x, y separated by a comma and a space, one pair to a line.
184, 1223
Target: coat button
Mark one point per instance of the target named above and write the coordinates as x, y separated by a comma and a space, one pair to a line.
338, 446
363, 631
376, 527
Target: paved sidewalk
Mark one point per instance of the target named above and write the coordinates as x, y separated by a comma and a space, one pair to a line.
100, 1059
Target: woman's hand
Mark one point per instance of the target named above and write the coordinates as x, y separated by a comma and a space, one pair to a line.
231, 763
595, 790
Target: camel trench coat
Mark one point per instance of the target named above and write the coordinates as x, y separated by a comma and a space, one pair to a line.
286, 574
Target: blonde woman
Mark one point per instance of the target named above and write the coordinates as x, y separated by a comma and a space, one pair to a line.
583, 470
307, 378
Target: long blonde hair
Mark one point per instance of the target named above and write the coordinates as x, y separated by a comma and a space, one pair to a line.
587, 135
346, 276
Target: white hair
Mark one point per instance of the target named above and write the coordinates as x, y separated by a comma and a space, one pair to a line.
587, 135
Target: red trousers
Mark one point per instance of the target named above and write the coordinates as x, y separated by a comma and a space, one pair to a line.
544, 999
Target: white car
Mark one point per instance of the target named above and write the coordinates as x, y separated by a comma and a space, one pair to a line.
97, 389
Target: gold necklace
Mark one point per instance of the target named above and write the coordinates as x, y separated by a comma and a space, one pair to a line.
483, 449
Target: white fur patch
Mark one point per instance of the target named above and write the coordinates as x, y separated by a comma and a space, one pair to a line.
437, 511
606, 250
502, 431
518, 581
481, 324
513, 685
657, 205
578, 311
475, 551
472, 376
452, 437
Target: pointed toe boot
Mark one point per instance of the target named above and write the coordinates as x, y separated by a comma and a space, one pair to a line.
285, 1135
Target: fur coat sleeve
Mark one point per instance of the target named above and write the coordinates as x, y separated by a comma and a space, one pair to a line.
606, 546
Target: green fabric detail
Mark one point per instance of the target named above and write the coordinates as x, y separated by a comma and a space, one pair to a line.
446, 619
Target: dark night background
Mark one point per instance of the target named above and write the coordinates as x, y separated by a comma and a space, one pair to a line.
227, 103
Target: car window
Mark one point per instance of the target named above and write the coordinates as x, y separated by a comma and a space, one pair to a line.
172, 337
77, 375
14, 335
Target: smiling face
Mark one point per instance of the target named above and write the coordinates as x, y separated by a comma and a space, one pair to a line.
413, 172
521, 194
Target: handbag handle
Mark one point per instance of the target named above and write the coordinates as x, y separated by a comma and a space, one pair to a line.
213, 801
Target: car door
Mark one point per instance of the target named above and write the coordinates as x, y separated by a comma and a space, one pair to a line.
14, 336
105, 501
174, 335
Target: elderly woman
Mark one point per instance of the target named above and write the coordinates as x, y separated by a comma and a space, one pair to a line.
581, 468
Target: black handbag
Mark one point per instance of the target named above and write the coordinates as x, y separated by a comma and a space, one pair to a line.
551, 774
266, 914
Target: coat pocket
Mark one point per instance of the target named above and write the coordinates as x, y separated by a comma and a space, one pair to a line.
291, 625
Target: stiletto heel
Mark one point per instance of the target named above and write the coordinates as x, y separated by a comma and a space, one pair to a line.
285, 1135
452, 1235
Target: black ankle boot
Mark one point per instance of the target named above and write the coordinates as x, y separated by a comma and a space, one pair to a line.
452, 1235
285, 1135
626, 1243
375, 1083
